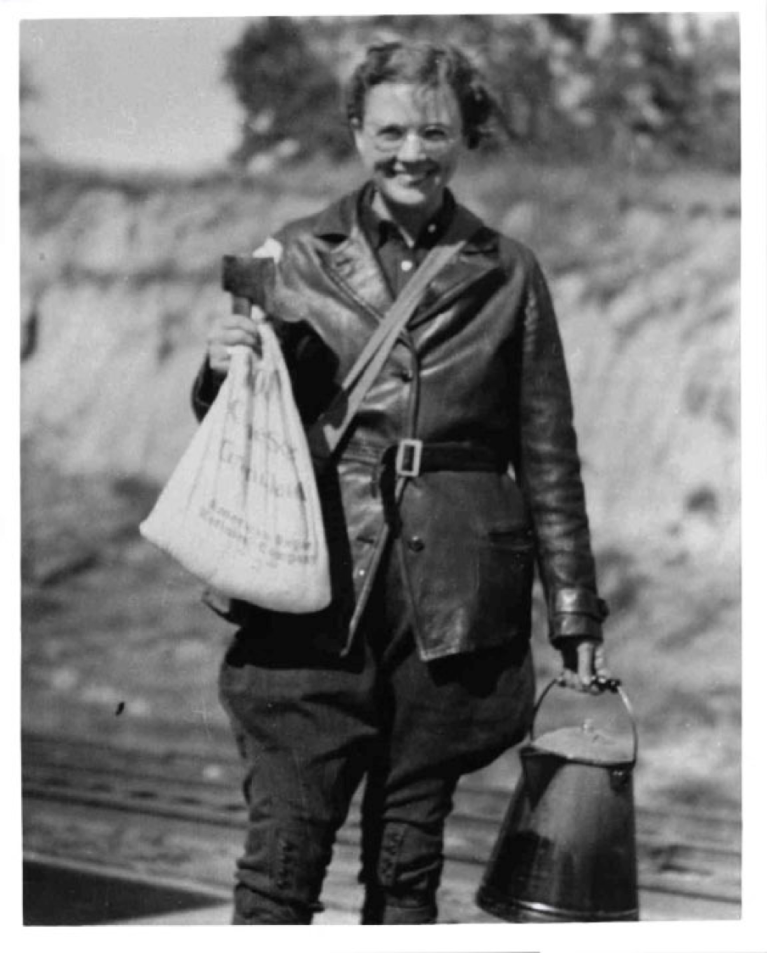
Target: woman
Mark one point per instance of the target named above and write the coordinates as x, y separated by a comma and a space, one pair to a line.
420, 670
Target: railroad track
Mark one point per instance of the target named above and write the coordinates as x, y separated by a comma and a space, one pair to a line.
175, 822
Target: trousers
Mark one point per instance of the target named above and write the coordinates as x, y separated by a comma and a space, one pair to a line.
311, 726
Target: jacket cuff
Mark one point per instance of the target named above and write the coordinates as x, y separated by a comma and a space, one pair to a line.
576, 614
205, 388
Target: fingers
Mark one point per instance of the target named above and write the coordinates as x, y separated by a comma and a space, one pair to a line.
228, 331
584, 667
570, 675
600, 666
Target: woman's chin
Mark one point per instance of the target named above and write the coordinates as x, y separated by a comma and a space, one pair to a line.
411, 192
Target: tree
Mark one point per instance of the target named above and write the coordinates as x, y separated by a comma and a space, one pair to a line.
641, 87
28, 95
715, 118
289, 95
644, 86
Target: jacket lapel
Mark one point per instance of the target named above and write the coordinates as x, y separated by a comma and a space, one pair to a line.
352, 264
478, 257
355, 269
349, 260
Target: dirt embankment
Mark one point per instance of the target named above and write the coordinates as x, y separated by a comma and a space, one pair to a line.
120, 276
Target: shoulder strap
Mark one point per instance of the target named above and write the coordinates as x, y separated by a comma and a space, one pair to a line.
327, 432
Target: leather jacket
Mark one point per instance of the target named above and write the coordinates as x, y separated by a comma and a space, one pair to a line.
480, 366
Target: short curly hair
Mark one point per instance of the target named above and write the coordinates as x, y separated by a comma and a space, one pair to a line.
424, 64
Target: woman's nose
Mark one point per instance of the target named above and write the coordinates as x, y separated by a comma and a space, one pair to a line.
411, 148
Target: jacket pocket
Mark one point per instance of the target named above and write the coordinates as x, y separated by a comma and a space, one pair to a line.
505, 572
512, 537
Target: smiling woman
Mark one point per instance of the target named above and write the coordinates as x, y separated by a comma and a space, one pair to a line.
420, 670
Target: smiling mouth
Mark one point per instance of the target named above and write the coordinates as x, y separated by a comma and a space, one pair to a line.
414, 178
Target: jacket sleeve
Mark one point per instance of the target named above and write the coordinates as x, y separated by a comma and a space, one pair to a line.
549, 472
205, 388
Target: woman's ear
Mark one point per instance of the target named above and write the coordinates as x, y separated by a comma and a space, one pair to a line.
356, 127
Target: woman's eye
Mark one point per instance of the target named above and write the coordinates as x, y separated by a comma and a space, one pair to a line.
435, 134
390, 134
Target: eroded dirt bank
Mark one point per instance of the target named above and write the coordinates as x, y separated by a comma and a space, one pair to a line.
119, 277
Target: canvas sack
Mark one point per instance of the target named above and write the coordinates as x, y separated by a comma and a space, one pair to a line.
241, 510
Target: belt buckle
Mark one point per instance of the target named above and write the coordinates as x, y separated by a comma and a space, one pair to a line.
407, 463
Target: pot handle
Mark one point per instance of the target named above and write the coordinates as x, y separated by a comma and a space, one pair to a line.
612, 685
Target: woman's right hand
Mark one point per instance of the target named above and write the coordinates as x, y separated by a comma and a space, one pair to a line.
228, 331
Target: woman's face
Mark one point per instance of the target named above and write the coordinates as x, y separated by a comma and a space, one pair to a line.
410, 140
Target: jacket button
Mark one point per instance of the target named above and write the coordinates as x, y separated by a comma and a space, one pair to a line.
416, 544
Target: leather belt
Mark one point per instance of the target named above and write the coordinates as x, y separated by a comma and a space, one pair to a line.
411, 457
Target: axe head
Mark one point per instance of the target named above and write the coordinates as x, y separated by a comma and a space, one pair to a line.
246, 277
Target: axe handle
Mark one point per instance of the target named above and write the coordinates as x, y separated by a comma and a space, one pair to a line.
241, 306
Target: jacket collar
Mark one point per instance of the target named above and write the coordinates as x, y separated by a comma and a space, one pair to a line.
349, 259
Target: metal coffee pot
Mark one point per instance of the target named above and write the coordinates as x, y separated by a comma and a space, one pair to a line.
566, 851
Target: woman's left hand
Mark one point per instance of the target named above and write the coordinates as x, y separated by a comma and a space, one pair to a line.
583, 663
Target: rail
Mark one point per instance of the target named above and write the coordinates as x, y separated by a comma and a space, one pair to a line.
177, 819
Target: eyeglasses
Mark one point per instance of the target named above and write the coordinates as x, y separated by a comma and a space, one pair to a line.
434, 140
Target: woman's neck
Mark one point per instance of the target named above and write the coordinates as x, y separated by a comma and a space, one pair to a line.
410, 221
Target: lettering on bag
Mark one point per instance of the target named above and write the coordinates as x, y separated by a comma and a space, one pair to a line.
278, 489
234, 409
260, 380
233, 453
278, 548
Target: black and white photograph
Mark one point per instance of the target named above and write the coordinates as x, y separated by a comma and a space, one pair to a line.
391, 446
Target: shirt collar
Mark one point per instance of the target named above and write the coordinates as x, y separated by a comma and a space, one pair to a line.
381, 230
340, 222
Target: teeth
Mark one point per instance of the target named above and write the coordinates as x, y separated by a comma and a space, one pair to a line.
414, 179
